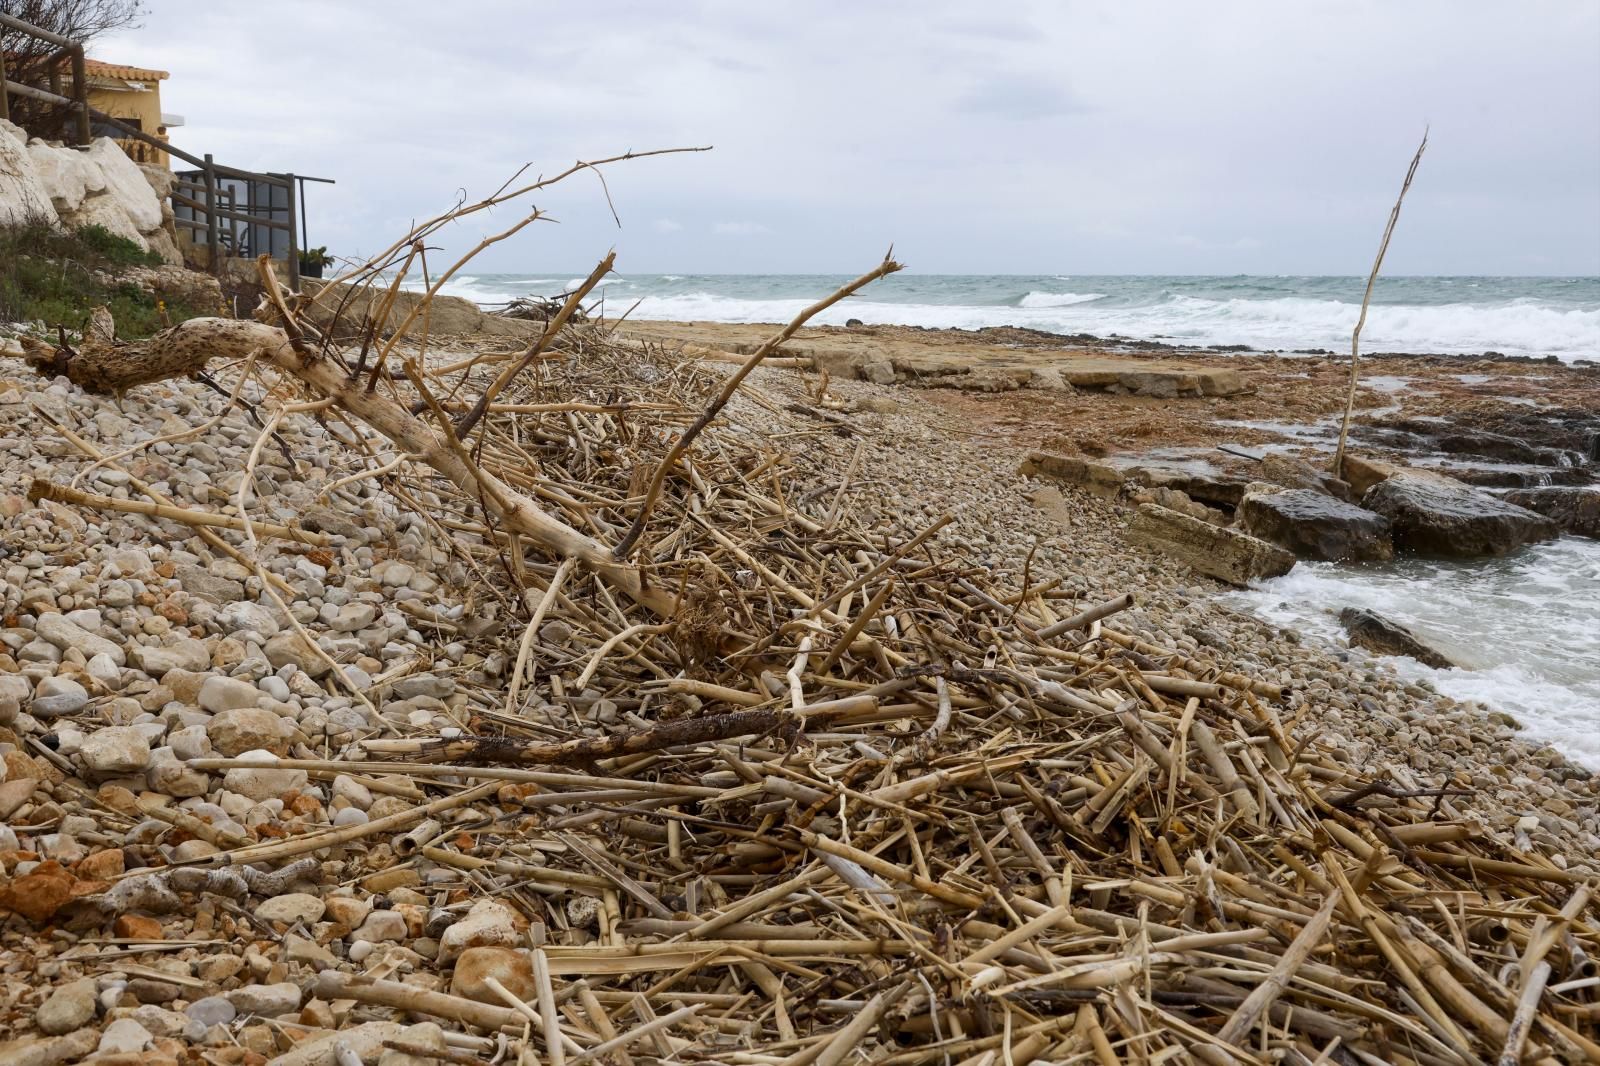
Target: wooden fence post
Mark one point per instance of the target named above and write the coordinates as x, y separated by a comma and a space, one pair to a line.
5, 97
80, 94
294, 251
212, 241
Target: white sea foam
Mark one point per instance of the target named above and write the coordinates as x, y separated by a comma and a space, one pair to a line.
1281, 323
1059, 299
1145, 311
1525, 628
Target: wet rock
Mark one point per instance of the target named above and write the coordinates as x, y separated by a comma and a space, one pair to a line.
1438, 515
1316, 526
1372, 631
1361, 474
1225, 554
1298, 474
1576, 510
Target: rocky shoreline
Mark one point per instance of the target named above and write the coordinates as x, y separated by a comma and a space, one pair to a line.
133, 650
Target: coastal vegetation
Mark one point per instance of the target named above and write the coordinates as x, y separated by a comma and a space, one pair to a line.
57, 276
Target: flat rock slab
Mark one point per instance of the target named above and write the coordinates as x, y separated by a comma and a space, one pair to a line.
1439, 515
982, 366
1216, 551
1314, 525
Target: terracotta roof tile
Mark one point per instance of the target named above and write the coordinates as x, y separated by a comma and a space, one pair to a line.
97, 68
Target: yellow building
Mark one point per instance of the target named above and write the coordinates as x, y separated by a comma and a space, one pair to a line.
131, 95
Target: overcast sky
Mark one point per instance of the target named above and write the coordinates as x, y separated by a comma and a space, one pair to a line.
1000, 137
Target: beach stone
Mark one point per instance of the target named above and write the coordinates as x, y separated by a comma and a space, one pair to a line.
1576, 509
184, 654
1314, 525
381, 926
124, 1036
423, 1035
488, 923
198, 581
116, 751
1225, 554
878, 371
247, 617
1372, 631
268, 1001
66, 634
290, 648
219, 693
510, 967
1439, 515
290, 908
68, 1007
353, 616
262, 782
363, 1042
57, 696
185, 684
241, 729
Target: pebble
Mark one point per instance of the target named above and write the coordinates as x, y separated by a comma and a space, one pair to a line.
57, 696
290, 908
68, 1007
116, 751
240, 729
268, 1001
124, 1036
219, 693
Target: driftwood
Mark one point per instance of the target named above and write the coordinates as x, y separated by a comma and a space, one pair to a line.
779, 787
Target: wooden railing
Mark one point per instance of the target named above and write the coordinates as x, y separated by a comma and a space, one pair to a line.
65, 49
209, 201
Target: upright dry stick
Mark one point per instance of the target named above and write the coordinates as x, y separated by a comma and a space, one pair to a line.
625, 548
1372, 279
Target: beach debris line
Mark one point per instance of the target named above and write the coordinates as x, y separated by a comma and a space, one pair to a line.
765, 785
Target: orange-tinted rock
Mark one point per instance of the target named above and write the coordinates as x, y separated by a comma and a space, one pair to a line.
136, 927
101, 866
509, 966
40, 894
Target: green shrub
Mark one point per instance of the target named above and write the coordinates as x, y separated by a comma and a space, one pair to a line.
57, 277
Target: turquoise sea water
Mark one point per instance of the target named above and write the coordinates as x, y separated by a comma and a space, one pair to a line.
1439, 315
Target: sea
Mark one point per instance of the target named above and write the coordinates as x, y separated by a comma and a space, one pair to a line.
1530, 316
1525, 628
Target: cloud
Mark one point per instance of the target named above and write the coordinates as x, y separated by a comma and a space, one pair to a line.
739, 229
1038, 136
1021, 97
666, 225
1238, 244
